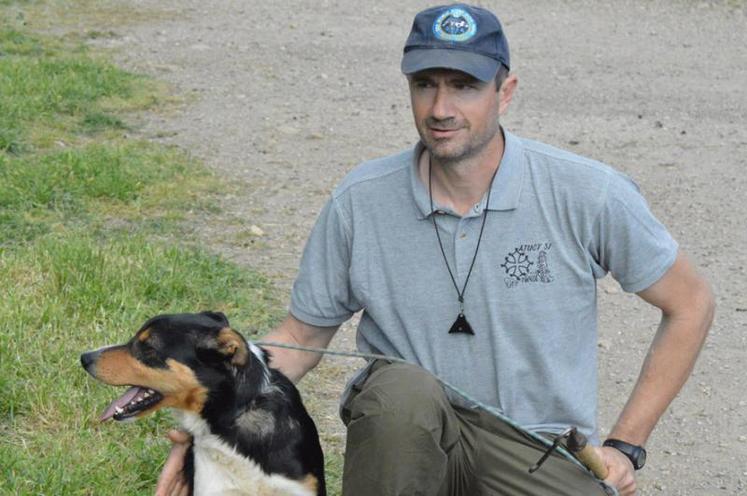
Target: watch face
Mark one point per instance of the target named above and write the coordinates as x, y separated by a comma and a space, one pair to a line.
641, 459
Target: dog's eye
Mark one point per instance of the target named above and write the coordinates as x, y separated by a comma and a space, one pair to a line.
147, 354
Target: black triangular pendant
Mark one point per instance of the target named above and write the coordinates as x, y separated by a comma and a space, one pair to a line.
461, 325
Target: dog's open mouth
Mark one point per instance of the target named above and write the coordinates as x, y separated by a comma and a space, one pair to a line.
134, 401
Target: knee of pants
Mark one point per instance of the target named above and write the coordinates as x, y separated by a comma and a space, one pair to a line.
402, 393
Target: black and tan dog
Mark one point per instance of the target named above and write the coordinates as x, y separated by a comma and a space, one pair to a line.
251, 433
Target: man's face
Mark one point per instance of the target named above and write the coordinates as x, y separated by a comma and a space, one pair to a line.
455, 113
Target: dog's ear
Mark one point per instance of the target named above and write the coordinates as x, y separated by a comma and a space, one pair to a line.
232, 344
218, 317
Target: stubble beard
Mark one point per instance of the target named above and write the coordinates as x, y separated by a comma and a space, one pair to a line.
449, 154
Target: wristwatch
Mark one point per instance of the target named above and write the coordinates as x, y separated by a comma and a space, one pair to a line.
636, 454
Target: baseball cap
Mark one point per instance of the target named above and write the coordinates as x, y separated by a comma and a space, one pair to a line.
459, 36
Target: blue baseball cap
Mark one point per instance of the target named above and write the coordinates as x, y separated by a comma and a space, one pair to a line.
459, 36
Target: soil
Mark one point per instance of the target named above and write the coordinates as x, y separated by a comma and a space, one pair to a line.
283, 98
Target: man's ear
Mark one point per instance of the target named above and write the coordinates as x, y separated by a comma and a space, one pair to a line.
232, 344
506, 93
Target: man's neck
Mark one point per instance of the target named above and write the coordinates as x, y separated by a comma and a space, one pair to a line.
461, 185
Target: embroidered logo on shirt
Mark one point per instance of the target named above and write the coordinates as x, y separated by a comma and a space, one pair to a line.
528, 264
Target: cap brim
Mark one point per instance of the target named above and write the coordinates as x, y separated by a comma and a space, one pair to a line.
482, 67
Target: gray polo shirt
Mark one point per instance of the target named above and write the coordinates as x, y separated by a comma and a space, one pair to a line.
556, 222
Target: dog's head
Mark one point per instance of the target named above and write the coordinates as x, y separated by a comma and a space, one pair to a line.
173, 361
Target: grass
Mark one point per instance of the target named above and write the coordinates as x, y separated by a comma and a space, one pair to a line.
50, 92
75, 292
92, 243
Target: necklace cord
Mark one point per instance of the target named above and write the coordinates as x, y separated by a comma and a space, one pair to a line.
438, 235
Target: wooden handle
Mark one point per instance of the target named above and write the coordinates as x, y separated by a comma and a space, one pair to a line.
578, 444
589, 457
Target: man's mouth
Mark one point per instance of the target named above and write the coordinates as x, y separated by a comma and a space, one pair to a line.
135, 400
442, 132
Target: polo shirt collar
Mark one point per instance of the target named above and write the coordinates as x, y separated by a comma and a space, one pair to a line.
506, 190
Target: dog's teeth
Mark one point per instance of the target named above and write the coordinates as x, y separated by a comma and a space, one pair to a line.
147, 393
119, 409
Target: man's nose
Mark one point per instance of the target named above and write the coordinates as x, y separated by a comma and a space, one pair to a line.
442, 108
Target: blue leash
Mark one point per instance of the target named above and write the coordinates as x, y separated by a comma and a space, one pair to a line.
550, 445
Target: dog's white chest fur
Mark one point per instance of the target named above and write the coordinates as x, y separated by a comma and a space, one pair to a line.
220, 470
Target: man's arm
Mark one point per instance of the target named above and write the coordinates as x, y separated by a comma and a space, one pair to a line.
687, 306
294, 364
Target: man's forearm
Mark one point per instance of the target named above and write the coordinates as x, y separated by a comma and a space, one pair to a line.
294, 363
667, 366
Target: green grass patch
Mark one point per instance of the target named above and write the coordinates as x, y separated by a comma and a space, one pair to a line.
76, 292
91, 18
95, 122
137, 182
80, 175
52, 462
52, 92
92, 243
333, 467
14, 42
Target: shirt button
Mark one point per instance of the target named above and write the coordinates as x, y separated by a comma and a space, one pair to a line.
463, 235
477, 207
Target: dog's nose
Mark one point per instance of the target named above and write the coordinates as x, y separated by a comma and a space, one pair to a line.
88, 359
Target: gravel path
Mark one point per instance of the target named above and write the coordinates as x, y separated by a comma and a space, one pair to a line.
283, 100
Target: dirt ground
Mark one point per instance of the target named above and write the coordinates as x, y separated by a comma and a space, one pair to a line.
283, 98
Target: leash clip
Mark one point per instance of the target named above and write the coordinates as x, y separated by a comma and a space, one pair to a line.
552, 448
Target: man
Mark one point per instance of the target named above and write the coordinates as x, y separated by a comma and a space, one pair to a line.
475, 256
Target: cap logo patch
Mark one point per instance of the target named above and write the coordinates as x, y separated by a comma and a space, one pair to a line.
454, 25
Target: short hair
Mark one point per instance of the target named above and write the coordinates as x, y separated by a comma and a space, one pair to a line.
500, 76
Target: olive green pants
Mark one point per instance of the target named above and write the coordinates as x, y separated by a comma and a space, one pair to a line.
405, 438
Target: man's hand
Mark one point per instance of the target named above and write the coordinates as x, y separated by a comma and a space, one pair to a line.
621, 472
171, 481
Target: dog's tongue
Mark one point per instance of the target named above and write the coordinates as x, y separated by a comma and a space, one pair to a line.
119, 402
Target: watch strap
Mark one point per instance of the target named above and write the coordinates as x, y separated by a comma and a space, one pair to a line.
636, 454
